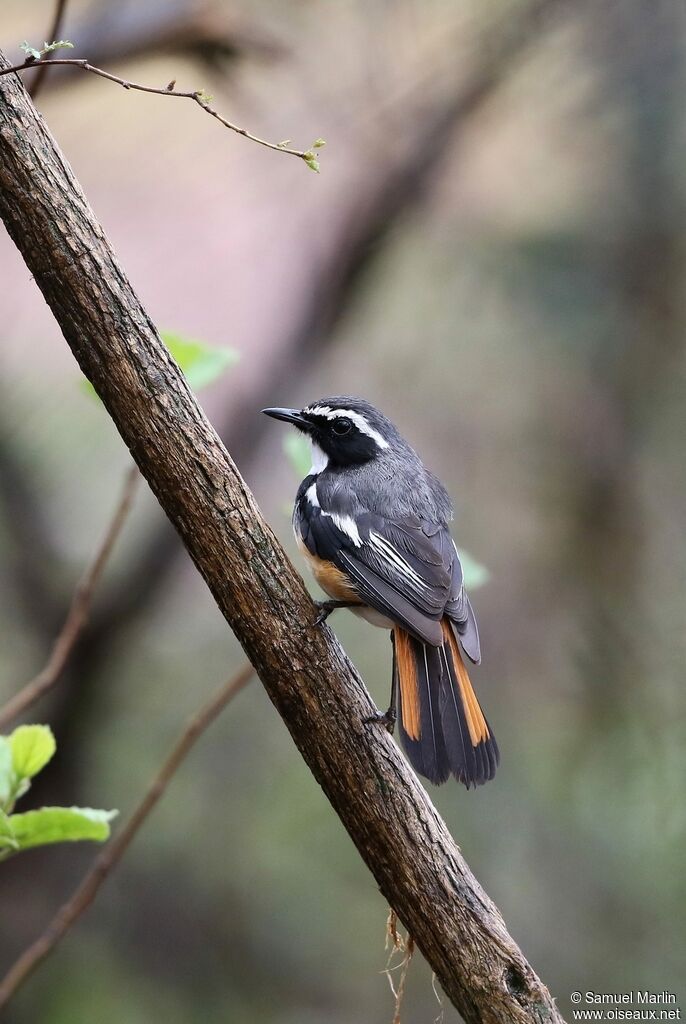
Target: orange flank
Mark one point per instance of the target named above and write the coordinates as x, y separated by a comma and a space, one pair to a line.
332, 581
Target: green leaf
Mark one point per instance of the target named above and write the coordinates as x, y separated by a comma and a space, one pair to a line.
475, 574
88, 389
59, 825
6, 771
201, 364
7, 838
32, 747
298, 453
57, 44
30, 51
318, 143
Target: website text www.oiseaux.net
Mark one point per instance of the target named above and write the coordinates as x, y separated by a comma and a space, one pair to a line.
612, 1006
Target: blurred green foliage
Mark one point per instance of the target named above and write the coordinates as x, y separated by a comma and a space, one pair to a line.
200, 363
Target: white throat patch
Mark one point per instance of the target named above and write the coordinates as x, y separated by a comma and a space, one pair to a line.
320, 460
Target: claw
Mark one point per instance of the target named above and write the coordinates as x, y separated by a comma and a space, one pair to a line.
326, 607
323, 615
385, 718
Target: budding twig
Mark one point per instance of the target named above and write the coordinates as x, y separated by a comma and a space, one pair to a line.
198, 96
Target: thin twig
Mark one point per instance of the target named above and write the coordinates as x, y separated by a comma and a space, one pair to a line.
198, 96
78, 611
54, 33
107, 860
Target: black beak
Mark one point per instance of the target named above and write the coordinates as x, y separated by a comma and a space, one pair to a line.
293, 416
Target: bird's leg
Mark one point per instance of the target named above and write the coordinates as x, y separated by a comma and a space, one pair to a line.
387, 718
326, 607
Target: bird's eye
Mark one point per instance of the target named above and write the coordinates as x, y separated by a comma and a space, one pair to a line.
341, 425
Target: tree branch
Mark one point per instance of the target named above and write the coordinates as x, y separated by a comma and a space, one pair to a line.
78, 612
105, 862
317, 692
198, 96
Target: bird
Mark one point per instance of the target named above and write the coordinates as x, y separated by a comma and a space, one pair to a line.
373, 524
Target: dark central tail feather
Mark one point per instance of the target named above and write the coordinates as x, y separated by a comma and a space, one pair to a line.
442, 726
417, 675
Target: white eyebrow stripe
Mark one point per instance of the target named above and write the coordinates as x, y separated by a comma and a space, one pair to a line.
357, 418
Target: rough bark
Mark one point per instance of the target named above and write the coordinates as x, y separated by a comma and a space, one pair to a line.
319, 695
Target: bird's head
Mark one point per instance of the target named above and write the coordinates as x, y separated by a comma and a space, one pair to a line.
346, 431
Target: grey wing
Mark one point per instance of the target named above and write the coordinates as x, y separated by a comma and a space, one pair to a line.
459, 610
403, 569
395, 568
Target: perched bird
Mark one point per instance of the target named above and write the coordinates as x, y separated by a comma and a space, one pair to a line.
372, 522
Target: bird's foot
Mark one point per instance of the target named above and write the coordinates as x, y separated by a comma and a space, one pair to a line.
385, 718
326, 607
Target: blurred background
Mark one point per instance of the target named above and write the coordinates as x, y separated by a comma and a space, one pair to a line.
494, 254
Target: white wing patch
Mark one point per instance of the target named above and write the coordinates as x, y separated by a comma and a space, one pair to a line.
347, 525
357, 418
390, 555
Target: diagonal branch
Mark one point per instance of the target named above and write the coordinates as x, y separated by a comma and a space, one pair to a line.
105, 862
316, 690
78, 612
